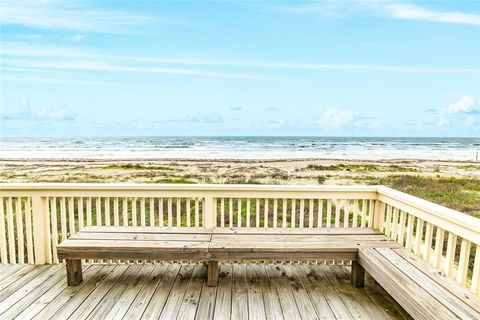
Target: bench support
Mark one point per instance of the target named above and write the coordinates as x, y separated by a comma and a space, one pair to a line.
74, 272
212, 273
358, 275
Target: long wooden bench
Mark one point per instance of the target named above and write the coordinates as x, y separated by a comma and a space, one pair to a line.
417, 287
217, 244
424, 292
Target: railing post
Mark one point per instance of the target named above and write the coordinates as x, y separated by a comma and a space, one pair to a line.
40, 228
209, 211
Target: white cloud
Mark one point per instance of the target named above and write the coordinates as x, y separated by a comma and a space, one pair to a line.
413, 12
461, 110
382, 8
465, 104
78, 37
28, 113
77, 58
74, 16
236, 108
336, 118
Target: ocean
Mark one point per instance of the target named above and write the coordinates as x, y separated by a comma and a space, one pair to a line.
355, 148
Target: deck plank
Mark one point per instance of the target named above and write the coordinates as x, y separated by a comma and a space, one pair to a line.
160, 281
123, 303
357, 302
88, 297
285, 294
239, 294
223, 302
175, 298
256, 306
70, 298
179, 291
206, 304
114, 293
326, 300
28, 288
188, 308
53, 292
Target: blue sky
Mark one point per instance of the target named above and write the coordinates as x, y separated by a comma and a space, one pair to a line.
345, 68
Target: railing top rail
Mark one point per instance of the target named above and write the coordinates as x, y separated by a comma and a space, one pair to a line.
180, 187
451, 216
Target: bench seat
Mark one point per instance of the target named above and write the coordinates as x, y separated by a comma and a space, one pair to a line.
425, 293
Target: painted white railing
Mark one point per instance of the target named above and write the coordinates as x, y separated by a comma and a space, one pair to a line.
35, 217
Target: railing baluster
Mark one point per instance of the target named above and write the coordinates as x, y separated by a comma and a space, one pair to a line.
320, 214
310, 213
3, 234
197, 212
463, 262
116, 221
439, 241
418, 237
409, 237
20, 241
11, 232
169, 212
189, 213
329, 213
222, 212
239, 212
338, 205
450, 257
161, 218
143, 219
63, 218
71, 216
302, 213
248, 212
124, 211
275, 212
257, 213
151, 210
28, 229
401, 230
427, 252
265, 213
346, 213
475, 287
134, 212
230, 212
80, 213
98, 211
293, 221
284, 213
54, 227
179, 211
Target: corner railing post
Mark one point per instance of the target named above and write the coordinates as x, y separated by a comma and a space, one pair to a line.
40, 228
209, 211
376, 215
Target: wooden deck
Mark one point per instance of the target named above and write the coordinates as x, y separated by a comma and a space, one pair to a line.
179, 291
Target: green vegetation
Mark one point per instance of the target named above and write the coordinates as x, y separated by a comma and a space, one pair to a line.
462, 194
174, 180
470, 167
130, 166
360, 168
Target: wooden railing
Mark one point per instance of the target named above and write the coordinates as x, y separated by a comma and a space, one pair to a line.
34, 218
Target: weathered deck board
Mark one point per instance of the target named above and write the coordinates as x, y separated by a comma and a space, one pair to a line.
175, 291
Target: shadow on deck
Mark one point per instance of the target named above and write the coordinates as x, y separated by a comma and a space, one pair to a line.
179, 291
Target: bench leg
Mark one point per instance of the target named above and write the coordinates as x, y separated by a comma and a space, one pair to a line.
74, 272
212, 273
358, 275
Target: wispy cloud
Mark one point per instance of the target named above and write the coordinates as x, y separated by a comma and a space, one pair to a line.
236, 108
27, 113
413, 12
464, 110
78, 58
333, 118
396, 10
75, 16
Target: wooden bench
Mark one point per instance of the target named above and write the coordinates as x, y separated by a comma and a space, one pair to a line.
424, 292
217, 244
132, 243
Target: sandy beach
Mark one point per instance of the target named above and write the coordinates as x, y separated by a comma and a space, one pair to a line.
455, 184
